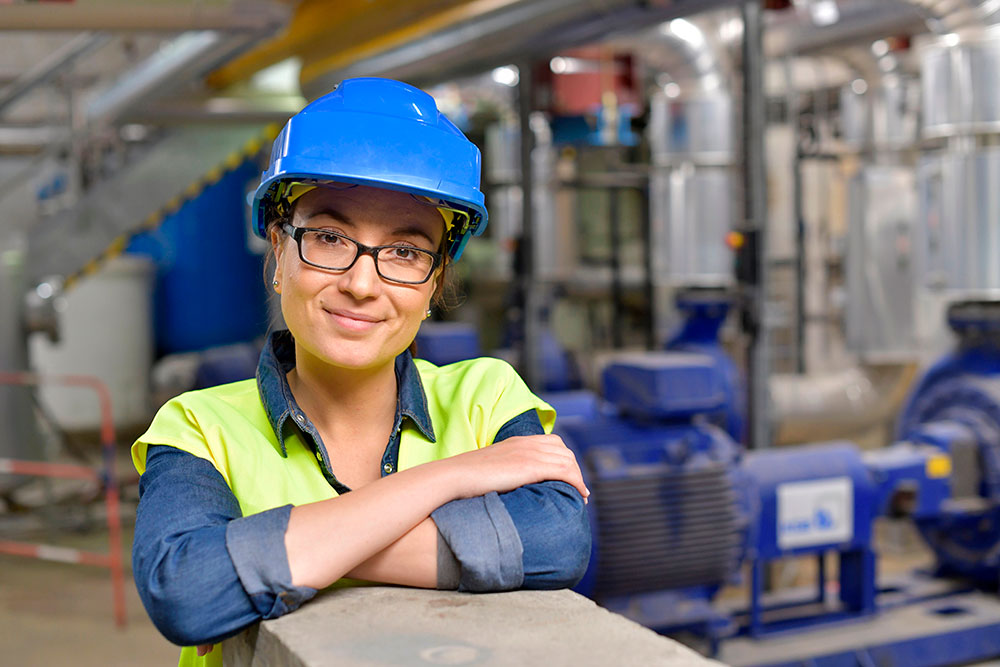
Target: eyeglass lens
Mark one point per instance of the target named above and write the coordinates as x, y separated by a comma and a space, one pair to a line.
399, 263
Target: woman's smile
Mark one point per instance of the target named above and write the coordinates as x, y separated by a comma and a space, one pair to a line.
353, 321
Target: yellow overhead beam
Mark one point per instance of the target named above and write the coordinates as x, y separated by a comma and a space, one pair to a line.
329, 33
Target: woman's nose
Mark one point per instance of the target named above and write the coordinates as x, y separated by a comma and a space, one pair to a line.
362, 279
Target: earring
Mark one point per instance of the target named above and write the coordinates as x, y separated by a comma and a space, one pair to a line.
427, 314
275, 283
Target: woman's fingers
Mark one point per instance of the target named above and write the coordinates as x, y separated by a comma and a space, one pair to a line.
205, 649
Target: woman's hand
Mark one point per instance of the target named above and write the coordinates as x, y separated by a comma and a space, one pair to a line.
515, 462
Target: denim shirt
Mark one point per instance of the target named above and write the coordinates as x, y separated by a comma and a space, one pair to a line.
205, 572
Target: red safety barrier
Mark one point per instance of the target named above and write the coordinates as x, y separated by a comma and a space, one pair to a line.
112, 559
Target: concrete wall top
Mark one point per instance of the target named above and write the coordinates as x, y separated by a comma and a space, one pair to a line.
403, 626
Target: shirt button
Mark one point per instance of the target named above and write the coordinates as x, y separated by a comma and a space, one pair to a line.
300, 418
387, 468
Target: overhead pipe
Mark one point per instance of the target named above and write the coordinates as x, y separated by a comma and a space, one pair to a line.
792, 34
512, 32
947, 16
49, 66
238, 16
187, 57
808, 408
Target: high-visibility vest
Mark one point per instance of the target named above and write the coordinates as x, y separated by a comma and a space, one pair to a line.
468, 402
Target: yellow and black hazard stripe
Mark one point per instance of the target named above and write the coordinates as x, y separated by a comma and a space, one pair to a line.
155, 219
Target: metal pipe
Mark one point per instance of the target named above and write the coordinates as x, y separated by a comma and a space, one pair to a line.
648, 289
189, 55
244, 16
947, 16
48, 67
519, 31
808, 408
792, 34
530, 352
617, 296
798, 219
755, 207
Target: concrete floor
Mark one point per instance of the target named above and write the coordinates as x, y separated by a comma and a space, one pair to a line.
59, 614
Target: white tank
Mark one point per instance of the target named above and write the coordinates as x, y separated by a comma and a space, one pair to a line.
106, 331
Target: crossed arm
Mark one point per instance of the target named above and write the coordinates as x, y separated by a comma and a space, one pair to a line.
204, 572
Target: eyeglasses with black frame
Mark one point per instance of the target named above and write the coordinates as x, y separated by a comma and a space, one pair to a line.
327, 249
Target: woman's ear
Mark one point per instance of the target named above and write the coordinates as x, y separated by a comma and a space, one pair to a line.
277, 239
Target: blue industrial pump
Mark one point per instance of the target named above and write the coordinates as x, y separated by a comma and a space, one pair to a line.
955, 407
679, 509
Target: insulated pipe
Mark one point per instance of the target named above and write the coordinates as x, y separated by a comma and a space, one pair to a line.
48, 67
947, 16
185, 58
499, 34
859, 19
244, 15
688, 50
808, 408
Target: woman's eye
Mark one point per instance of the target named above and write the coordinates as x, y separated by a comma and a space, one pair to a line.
329, 239
403, 253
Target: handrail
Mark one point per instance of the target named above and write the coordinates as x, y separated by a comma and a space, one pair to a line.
113, 559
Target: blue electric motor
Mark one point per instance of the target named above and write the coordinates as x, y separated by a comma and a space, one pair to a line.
678, 507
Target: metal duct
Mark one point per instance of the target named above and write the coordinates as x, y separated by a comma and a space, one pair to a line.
241, 15
46, 68
689, 50
809, 408
859, 19
515, 32
947, 16
190, 55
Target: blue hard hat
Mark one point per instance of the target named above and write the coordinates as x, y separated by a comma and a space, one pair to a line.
381, 133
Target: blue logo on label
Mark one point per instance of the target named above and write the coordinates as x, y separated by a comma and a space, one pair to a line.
821, 520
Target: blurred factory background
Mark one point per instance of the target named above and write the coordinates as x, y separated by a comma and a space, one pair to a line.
749, 250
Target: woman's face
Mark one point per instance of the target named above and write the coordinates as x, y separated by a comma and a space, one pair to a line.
355, 319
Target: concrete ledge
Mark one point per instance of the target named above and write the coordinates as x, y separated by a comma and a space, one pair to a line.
380, 626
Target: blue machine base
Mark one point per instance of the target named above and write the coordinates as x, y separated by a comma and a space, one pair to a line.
945, 628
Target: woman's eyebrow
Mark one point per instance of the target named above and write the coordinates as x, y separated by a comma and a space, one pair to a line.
330, 213
413, 231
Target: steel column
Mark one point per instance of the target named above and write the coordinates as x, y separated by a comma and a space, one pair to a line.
530, 361
755, 212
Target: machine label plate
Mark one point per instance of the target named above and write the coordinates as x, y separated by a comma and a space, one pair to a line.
815, 512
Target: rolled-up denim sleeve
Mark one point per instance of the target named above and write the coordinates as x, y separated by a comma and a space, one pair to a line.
536, 536
203, 571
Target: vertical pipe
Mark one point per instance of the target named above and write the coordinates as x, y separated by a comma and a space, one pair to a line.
792, 103
755, 203
530, 363
617, 298
647, 256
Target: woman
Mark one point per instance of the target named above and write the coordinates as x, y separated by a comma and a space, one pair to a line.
346, 459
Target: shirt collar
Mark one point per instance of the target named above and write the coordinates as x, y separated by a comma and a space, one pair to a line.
278, 357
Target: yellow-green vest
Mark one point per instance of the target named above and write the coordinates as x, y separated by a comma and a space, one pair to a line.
468, 402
